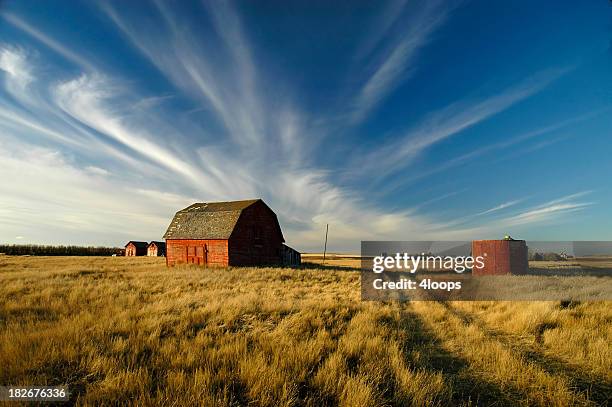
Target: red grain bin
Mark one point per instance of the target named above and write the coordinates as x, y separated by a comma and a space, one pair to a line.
500, 257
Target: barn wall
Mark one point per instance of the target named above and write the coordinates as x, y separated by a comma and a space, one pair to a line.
256, 239
131, 247
290, 256
156, 250
203, 252
130, 250
501, 256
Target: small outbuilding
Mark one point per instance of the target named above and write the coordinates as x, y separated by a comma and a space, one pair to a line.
290, 256
235, 233
156, 249
508, 256
133, 248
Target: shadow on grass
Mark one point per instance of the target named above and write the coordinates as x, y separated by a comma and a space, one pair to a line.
594, 388
468, 388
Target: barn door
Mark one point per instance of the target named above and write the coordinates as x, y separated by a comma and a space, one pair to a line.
191, 254
197, 255
200, 254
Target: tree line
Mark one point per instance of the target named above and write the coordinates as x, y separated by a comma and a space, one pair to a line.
48, 250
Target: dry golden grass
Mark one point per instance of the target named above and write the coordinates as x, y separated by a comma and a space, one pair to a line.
332, 260
118, 330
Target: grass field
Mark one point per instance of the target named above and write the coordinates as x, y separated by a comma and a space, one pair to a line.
119, 330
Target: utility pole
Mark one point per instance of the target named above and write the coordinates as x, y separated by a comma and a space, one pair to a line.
325, 247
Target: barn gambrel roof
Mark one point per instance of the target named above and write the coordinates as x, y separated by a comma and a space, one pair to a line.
208, 220
138, 245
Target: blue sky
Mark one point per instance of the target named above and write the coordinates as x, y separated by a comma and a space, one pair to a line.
399, 120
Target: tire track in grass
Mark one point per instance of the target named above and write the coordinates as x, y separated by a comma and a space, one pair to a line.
407, 384
593, 387
329, 375
526, 382
424, 349
366, 366
308, 392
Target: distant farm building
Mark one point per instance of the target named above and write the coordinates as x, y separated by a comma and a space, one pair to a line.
156, 249
506, 256
133, 248
236, 233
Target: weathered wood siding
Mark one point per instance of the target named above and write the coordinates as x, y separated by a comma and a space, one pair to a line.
256, 239
211, 253
290, 256
130, 250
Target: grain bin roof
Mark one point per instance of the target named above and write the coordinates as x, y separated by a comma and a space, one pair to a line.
212, 220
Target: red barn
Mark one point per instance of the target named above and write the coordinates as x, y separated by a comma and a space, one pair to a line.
237, 233
156, 249
133, 248
506, 256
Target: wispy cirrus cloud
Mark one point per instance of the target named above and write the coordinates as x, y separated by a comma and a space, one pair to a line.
394, 63
505, 145
227, 84
448, 122
87, 99
477, 217
553, 209
499, 207
504, 219
548, 211
13, 62
106, 145
302, 198
35, 114
49, 41
381, 27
